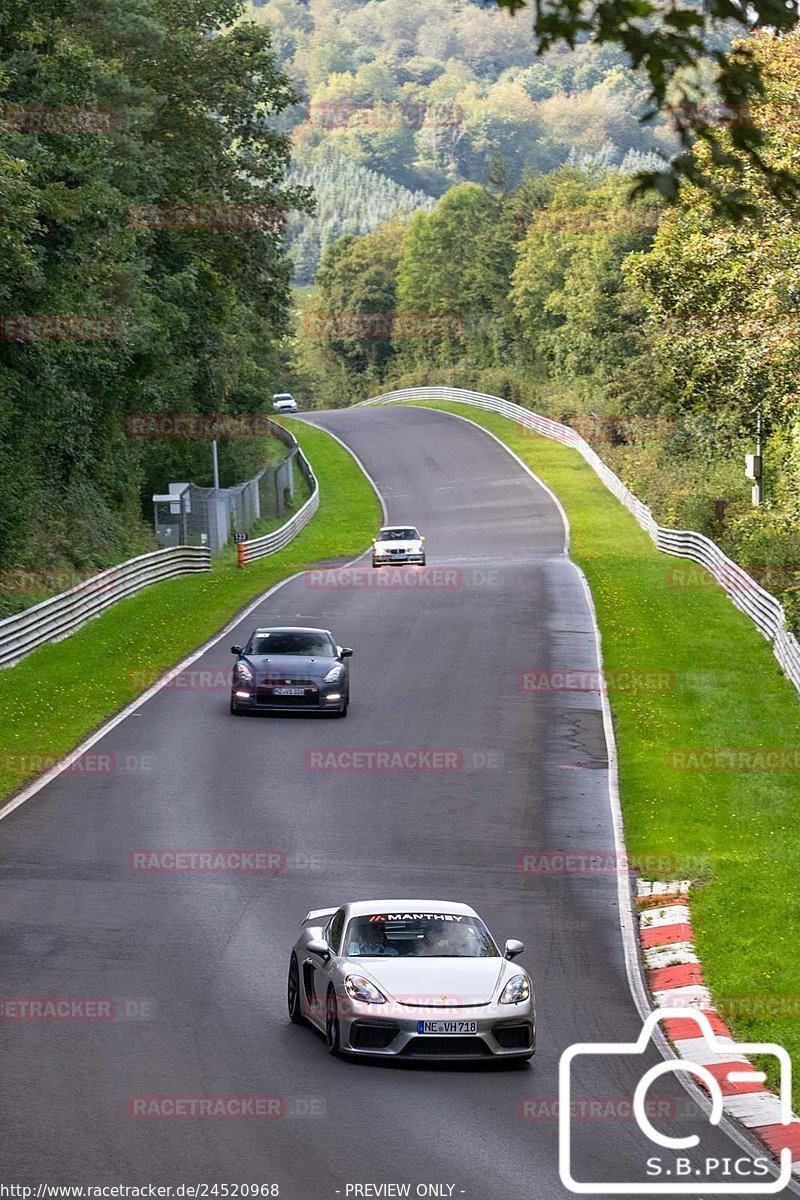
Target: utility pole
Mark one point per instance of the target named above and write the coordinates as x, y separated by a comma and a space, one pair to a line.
758, 489
754, 463
216, 462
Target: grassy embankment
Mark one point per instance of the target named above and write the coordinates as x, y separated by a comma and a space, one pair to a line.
734, 830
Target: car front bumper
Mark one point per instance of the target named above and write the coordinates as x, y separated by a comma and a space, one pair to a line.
398, 560
503, 1031
323, 700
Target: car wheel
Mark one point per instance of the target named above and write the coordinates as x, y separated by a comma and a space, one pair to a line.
234, 708
375, 565
293, 994
423, 560
332, 1023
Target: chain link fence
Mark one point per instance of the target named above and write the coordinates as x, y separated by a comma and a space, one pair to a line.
199, 516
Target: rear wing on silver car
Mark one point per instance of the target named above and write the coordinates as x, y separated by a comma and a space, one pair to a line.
318, 914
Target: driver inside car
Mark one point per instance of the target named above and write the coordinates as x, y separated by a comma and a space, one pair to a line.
373, 942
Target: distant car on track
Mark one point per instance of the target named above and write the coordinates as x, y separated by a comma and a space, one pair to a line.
398, 544
284, 402
420, 979
291, 669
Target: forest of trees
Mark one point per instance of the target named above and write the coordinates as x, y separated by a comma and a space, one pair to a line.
431, 93
489, 240
111, 309
348, 199
659, 331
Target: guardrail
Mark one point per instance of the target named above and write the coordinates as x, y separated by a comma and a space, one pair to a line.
270, 543
764, 609
58, 616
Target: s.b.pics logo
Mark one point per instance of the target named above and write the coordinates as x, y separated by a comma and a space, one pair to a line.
674, 1160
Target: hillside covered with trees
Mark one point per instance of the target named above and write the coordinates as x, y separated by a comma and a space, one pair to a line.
432, 93
659, 332
114, 301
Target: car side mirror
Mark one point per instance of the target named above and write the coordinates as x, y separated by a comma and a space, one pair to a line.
236, 650
422, 539
374, 540
345, 652
319, 946
513, 948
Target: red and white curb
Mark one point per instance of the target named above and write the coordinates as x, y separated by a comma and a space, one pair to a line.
676, 981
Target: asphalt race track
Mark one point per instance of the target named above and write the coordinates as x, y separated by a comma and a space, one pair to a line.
196, 962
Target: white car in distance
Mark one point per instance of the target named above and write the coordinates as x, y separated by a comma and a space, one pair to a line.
284, 402
398, 544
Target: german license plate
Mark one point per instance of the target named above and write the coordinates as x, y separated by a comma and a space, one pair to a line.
447, 1027
287, 691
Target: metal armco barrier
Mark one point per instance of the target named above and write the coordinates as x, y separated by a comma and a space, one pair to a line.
249, 551
59, 616
761, 606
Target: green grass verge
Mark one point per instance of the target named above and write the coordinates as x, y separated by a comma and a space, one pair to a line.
735, 830
56, 696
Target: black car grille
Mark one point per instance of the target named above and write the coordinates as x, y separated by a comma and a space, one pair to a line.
462, 1047
309, 698
371, 1035
514, 1037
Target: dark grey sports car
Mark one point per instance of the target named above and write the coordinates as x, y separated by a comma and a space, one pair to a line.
291, 669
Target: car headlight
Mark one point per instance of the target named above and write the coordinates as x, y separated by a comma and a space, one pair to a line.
516, 990
334, 675
244, 672
359, 988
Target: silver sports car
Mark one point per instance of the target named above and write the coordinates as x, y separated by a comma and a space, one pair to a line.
419, 979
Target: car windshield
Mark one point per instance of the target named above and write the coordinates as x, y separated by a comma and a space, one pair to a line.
418, 935
291, 641
399, 535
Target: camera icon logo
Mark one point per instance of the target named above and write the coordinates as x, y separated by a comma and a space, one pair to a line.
715, 1051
